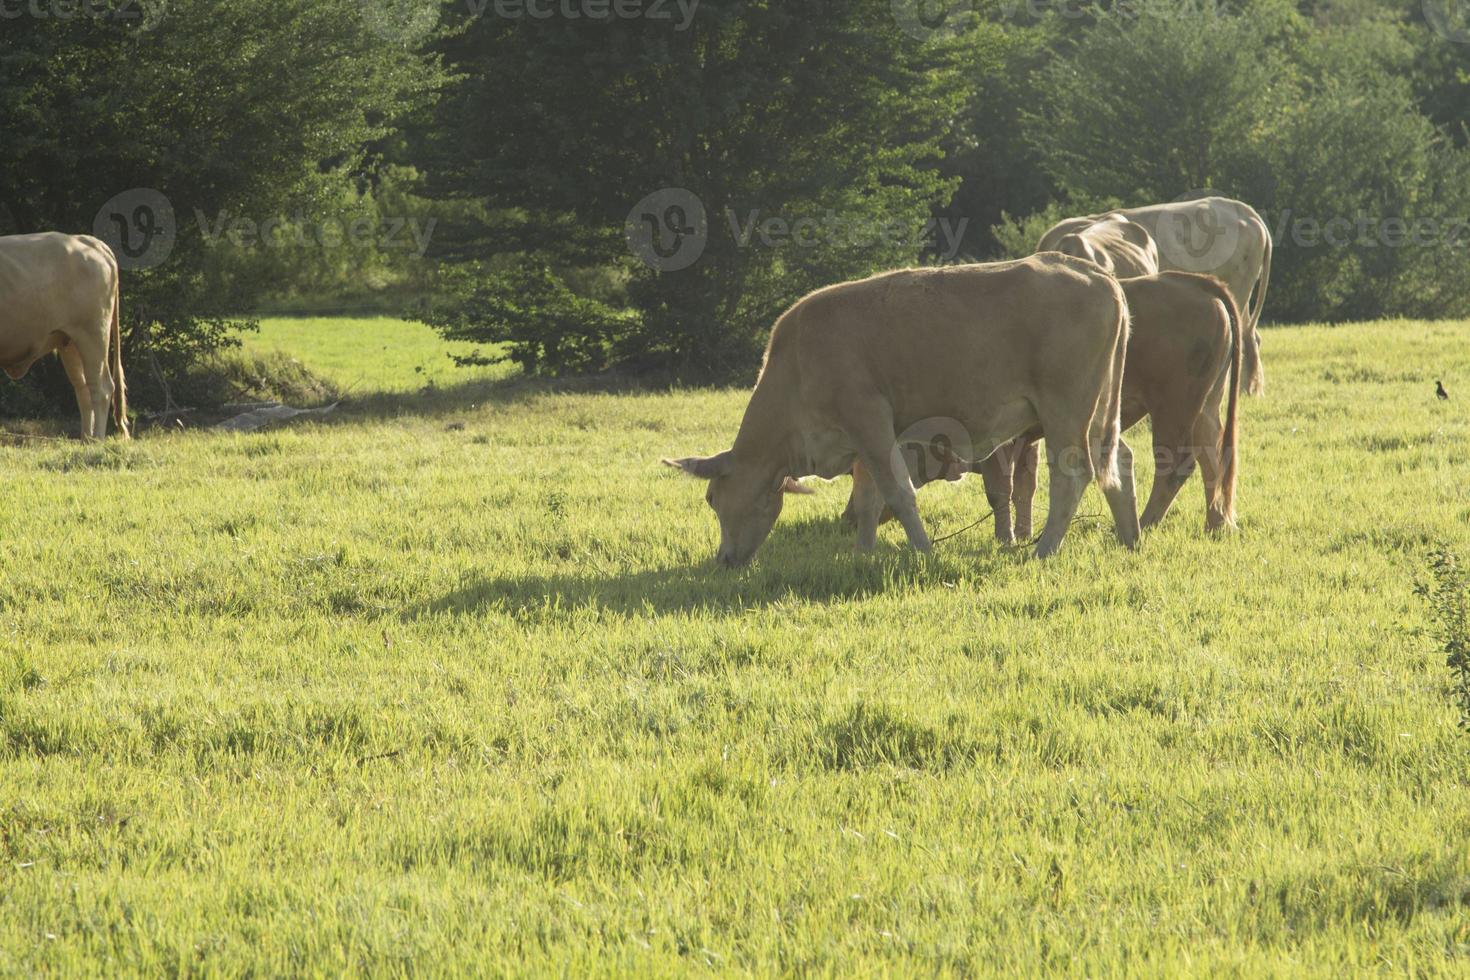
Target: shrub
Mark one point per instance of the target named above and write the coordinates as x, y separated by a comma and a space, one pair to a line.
823, 117
237, 375
545, 327
1448, 597
1017, 237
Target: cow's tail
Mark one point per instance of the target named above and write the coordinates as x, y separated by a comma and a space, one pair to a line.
1258, 304
120, 385
1109, 427
1229, 440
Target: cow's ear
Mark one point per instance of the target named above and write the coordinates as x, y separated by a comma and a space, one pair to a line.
704, 467
792, 485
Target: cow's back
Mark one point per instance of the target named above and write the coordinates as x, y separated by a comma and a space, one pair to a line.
977, 343
1180, 220
1067, 226
1121, 241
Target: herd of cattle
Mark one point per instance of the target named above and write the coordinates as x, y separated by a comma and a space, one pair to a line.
1149, 311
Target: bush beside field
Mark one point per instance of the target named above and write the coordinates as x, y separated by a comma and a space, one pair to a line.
450, 681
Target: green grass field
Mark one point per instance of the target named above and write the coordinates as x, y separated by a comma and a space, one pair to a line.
380, 355
447, 683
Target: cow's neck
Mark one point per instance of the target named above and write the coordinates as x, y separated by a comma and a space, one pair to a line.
769, 437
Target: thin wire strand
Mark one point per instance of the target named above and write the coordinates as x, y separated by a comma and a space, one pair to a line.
991, 513
23, 436
967, 527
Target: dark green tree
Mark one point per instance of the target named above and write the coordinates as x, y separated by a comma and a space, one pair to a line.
1311, 117
1150, 105
824, 115
999, 172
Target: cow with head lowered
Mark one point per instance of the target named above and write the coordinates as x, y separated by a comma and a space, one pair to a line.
991, 351
60, 293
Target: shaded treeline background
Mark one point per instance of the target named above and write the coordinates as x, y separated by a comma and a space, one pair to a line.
518, 146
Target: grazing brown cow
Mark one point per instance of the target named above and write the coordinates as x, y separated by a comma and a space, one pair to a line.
988, 351
1184, 358
60, 293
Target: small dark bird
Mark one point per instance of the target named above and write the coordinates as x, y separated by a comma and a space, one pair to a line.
1444, 396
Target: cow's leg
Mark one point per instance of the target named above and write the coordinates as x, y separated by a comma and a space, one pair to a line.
897, 491
996, 470
101, 390
1207, 432
1069, 478
878, 450
1174, 461
91, 352
864, 507
72, 361
1023, 491
1121, 499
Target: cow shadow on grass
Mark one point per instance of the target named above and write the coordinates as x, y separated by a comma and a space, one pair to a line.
807, 561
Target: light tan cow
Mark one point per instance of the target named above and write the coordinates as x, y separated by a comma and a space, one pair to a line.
60, 293
1120, 246
981, 353
1216, 236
